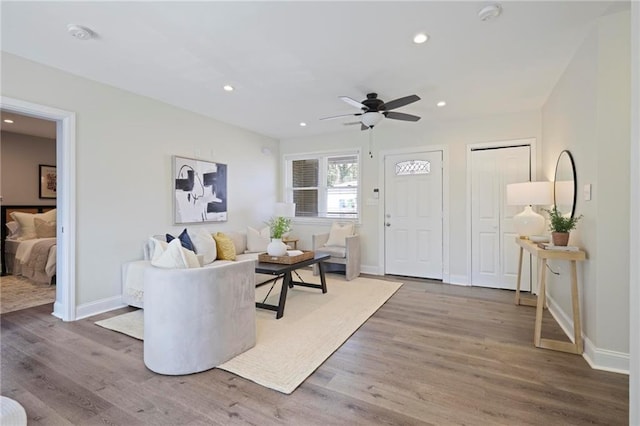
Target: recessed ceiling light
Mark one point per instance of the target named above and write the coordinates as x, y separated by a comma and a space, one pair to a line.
228, 88
8, 121
420, 38
490, 12
80, 32
303, 124
441, 104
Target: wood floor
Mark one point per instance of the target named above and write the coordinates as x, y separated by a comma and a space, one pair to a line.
433, 354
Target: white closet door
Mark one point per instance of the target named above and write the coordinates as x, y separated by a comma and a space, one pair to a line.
494, 254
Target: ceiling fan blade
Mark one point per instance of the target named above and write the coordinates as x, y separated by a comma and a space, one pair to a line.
397, 103
353, 123
354, 103
339, 116
401, 116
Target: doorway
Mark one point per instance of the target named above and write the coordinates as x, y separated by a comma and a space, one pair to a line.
494, 253
413, 214
65, 304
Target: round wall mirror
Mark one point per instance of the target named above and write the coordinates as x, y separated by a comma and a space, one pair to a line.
564, 184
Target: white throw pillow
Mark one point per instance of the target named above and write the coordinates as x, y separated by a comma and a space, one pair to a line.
151, 246
339, 233
174, 257
13, 230
257, 241
27, 227
204, 244
44, 229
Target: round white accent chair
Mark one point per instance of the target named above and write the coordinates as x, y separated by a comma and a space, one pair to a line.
198, 318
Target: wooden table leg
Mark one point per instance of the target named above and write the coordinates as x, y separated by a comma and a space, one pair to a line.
540, 306
575, 300
518, 280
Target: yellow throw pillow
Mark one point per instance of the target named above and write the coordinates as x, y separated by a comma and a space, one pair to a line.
224, 247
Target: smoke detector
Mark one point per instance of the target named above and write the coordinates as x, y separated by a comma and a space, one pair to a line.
490, 12
79, 32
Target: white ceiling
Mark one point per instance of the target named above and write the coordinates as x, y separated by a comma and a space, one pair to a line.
27, 125
290, 61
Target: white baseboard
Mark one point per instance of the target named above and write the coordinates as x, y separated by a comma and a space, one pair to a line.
597, 358
99, 306
57, 308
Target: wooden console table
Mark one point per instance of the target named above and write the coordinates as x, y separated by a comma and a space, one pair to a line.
543, 255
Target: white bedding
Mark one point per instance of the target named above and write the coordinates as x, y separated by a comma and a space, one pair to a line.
23, 254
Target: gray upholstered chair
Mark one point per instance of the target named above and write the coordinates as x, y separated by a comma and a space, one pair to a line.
198, 318
347, 256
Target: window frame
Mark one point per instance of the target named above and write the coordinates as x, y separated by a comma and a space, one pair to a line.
323, 158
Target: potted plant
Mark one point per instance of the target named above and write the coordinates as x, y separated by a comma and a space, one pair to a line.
560, 226
278, 227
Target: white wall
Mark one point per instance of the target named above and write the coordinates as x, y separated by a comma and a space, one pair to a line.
588, 114
393, 135
21, 156
123, 162
634, 299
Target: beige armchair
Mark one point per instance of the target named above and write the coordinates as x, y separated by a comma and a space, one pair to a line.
347, 255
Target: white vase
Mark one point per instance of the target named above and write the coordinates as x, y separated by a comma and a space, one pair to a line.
276, 247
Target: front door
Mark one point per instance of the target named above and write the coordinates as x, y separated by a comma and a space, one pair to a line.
413, 214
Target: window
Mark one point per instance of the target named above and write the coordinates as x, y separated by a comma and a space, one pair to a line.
324, 185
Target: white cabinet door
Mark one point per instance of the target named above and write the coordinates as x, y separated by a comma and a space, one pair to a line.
494, 254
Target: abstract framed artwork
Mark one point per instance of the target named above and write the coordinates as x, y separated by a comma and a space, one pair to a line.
200, 191
48, 181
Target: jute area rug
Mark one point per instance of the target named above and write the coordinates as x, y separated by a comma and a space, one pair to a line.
17, 293
314, 326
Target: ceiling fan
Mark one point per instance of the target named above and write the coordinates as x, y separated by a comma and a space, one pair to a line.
374, 110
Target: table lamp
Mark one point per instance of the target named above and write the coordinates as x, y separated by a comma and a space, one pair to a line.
528, 223
285, 210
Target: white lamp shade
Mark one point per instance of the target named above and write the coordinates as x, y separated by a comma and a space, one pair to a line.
530, 193
285, 210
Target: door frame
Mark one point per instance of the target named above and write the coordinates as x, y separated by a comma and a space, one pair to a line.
445, 202
65, 304
495, 145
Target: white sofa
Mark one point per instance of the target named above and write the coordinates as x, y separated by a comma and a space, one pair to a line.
133, 272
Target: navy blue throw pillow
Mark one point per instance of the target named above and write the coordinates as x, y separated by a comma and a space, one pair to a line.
185, 240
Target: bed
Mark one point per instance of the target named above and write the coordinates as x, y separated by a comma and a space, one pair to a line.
29, 242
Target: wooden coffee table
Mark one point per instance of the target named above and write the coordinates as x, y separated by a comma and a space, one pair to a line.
284, 271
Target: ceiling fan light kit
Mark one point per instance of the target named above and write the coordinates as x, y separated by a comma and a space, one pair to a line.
374, 110
370, 119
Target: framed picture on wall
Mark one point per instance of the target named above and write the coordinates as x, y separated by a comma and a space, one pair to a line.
199, 191
48, 182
